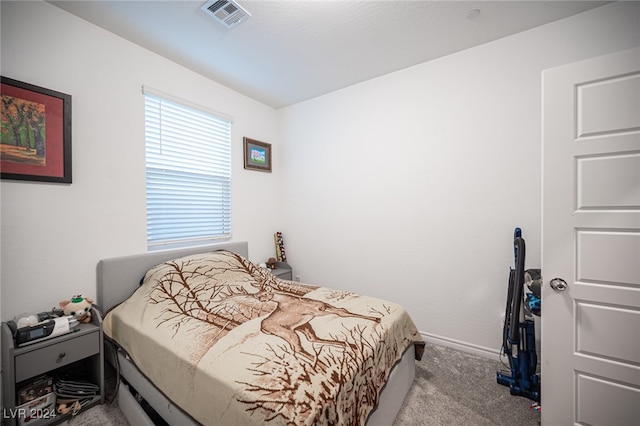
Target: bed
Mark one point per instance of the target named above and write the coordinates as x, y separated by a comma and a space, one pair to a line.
208, 337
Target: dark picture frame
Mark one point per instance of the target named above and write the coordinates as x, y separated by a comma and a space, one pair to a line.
35, 133
257, 155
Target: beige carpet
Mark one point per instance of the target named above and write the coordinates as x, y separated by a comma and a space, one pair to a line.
451, 388
458, 388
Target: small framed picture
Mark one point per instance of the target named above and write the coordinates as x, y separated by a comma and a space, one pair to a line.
35, 138
257, 155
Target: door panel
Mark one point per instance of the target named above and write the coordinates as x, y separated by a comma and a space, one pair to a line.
595, 336
608, 257
591, 239
608, 182
604, 105
622, 397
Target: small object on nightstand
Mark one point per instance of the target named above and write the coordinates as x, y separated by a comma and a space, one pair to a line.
79, 307
271, 263
280, 254
45, 330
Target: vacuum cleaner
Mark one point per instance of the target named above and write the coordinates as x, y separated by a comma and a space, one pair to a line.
518, 334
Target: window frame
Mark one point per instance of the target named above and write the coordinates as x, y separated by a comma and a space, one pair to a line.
187, 197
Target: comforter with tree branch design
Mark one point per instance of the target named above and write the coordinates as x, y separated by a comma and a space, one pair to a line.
231, 344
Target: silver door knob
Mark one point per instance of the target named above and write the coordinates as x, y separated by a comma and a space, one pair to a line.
558, 284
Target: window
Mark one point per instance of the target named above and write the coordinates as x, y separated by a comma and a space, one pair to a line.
188, 169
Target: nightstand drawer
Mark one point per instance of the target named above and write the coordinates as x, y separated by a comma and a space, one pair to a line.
284, 275
283, 271
49, 358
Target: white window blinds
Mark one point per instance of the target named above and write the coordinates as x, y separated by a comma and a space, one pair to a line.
188, 174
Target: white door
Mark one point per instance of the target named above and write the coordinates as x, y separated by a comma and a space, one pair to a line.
591, 239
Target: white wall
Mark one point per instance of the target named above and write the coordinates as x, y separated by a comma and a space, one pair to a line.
409, 186
53, 235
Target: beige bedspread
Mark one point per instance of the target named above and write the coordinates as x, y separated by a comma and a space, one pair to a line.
233, 345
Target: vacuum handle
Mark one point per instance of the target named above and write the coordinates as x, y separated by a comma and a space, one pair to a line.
516, 303
517, 233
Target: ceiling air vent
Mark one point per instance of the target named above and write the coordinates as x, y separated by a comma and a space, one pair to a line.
227, 12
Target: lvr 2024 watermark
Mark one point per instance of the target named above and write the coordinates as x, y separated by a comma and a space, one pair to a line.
27, 414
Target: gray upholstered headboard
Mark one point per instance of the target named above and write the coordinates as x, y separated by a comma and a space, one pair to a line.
118, 277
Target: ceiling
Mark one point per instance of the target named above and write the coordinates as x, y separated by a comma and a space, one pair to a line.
291, 51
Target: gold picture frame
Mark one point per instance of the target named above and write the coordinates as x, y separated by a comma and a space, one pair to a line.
257, 155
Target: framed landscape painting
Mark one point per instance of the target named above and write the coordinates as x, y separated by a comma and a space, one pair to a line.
257, 155
35, 136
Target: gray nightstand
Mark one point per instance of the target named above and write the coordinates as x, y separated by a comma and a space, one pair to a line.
21, 364
283, 271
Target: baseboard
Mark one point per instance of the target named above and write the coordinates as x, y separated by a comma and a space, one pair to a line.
461, 346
